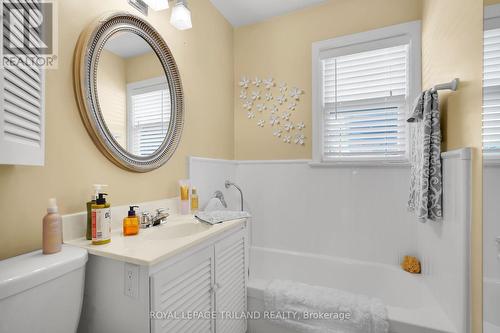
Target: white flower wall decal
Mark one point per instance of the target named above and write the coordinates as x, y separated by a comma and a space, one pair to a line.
283, 88
268, 83
255, 95
244, 82
281, 99
286, 116
295, 93
269, 101
288, 127
274, 120
300, 139
247, 104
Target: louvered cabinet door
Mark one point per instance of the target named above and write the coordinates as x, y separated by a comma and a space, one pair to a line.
21, 110
182, 289
231, 283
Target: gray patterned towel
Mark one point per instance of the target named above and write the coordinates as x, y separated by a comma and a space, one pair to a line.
426, 182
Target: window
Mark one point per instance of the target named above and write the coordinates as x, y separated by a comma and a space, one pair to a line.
363, 88
148, 115
491, 84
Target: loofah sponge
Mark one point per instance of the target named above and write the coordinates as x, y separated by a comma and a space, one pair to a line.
411, 264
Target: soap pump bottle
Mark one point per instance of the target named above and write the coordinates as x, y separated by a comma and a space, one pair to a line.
52, 229
194, 200
101, 221
93, 197
131, 223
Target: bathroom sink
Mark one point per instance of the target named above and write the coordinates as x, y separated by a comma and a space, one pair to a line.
177, 231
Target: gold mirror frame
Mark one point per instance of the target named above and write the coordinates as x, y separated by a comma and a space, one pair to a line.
86, 60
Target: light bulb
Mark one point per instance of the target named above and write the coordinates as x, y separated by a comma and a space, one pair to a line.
157, 5
181, 16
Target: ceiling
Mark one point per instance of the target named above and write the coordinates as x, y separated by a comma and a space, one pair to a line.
243, 12
127, 45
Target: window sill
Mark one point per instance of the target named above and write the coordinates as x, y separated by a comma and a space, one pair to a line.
347, 164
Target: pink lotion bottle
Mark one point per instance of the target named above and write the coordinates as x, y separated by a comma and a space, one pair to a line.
52, 229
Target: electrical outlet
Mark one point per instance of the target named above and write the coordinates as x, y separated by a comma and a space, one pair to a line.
131, 280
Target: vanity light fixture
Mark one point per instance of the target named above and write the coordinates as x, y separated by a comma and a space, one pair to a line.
181, 15
157, 5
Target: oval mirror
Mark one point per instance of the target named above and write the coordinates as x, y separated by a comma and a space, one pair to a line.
129, 92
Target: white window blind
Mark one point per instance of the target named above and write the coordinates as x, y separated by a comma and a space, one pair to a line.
364, 102
149, 118
491, 94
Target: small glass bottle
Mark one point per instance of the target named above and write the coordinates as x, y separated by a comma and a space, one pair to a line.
184, 196
194, 200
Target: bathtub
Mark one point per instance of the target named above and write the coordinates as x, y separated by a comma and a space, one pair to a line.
491, 305
411, 307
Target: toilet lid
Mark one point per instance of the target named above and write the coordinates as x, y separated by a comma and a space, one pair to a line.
28, 270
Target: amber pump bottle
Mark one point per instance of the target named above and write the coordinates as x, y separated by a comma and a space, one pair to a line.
131, 223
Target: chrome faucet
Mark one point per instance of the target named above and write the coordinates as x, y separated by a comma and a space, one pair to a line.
148, 220
228, 184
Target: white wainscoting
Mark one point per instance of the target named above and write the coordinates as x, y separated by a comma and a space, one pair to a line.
443, 247
491, 251
352, 212
491, 220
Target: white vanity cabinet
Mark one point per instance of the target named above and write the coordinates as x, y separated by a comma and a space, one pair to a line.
209, 285
198, 289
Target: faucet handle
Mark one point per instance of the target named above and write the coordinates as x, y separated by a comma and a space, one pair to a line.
160, 211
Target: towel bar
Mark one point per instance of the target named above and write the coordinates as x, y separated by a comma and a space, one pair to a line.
452, 85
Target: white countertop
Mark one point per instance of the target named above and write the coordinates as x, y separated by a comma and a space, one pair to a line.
156, 244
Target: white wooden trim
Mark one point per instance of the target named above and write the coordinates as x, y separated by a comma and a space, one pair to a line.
409, 32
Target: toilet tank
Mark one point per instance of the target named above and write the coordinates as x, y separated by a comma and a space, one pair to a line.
42, 293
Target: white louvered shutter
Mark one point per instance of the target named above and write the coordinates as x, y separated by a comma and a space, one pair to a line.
365, 103
231, 282
183, 288
491, 94
149, 118
22, 138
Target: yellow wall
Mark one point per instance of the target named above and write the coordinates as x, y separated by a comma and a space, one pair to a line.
143, 67
204, 55
112, 85
452, 46
281, 48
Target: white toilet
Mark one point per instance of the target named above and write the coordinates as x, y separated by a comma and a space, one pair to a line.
42, 293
